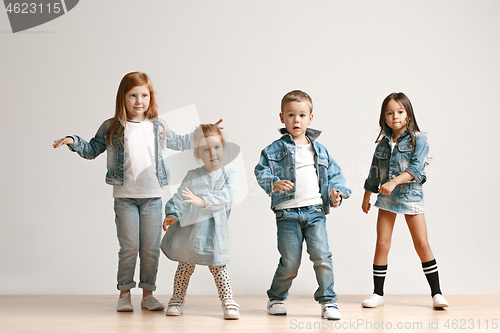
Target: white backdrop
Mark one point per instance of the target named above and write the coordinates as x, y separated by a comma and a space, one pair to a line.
235, 60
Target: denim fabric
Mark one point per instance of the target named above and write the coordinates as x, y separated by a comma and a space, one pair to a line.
138, 226
406, 198
99, 143
294, 226
201, 235
277, 162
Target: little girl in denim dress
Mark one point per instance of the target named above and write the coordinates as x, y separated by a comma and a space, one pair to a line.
397, 174
197, 216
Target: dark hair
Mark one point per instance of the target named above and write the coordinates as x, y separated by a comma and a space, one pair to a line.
411, 121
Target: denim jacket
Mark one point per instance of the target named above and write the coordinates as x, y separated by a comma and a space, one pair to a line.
406, 157
277, 162
99, 143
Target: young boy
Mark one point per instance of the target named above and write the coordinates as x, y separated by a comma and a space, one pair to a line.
303, 182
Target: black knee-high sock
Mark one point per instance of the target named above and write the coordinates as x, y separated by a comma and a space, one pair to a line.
431, 273
379, 272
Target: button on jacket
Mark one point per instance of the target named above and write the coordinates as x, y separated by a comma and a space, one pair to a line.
405, 157
114, 176
277, 162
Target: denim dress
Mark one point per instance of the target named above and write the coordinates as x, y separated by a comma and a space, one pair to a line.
201, 234
406, 198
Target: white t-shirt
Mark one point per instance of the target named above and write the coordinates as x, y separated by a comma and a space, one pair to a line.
139, 168
306, 180
392, 143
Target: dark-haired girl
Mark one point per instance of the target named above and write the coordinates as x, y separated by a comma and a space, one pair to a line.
397, 175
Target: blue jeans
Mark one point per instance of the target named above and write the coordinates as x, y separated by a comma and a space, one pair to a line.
138, 226
294, 226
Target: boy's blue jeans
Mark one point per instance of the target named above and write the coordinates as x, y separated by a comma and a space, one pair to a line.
294, 226
138, 226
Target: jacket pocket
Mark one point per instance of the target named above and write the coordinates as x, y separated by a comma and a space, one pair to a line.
277, 156
323, 160
277, 162
382, 154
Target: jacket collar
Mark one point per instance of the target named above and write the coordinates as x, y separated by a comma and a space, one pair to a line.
388, 134
311, 134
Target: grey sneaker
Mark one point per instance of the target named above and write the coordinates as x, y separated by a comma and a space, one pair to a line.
330, 311
276, 307
124, 303
151, 303
174, 307
231, 309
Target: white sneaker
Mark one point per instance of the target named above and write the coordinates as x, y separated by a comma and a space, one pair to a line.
330, 311
439, 302
231, 309
124, 303
174, 307
151, 303
276, 307
373, 301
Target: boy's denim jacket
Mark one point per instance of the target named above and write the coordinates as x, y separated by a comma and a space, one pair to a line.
277, 162
99, 143
406, 157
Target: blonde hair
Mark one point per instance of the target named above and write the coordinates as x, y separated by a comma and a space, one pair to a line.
127, 83
296, 96
203, 131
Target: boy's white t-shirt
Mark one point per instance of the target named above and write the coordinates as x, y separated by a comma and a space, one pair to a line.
306, 180
139, 168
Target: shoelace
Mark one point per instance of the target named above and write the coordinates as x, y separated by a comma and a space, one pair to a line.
331, 306
273, 303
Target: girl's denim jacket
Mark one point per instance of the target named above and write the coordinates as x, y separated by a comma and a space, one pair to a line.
277, 162
99, 143
406, 157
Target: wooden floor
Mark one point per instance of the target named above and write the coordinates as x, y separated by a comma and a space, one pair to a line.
402, 313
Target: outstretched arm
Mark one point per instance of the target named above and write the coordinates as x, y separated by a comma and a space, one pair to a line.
64, 141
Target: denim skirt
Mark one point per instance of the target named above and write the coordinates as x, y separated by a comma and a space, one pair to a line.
406, 198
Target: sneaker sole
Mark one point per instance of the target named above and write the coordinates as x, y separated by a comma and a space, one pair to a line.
125, 310
371, 306
153, 309
232, 318
278, 314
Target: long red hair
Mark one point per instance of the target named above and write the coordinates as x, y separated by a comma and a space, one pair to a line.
119, 122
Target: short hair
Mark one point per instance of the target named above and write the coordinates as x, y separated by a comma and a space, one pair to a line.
296, 96
203, 131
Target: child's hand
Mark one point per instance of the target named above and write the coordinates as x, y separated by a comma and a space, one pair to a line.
168, 221
366, 205
63, 141
218, 123
387, 188
335, 198
191, 198
282, 185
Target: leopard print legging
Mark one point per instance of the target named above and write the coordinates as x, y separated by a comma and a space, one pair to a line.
221, 278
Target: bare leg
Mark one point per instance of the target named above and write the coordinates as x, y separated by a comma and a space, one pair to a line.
418, 230
385, 225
